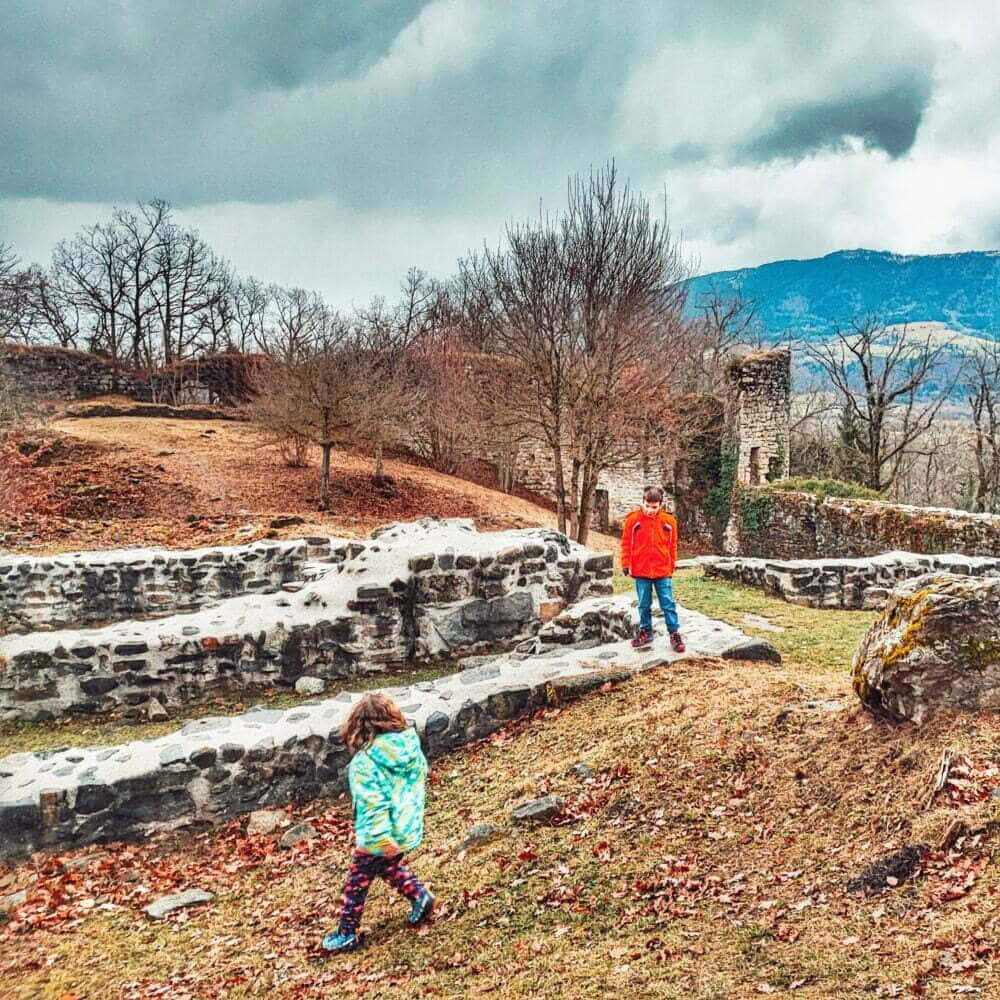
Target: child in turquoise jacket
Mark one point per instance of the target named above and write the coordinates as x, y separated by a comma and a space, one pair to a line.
386, 774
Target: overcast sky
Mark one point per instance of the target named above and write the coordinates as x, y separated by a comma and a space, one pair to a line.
334, 143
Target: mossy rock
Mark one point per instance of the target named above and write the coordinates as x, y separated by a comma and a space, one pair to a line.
936, 645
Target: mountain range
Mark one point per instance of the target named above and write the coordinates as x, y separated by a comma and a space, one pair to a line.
811, 298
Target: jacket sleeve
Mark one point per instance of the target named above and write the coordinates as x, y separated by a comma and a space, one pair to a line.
673, 541
372, 807
626, 544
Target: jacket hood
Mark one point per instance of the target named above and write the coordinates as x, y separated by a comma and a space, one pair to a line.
397, 752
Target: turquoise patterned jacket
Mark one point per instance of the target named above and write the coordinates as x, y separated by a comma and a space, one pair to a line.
387, 784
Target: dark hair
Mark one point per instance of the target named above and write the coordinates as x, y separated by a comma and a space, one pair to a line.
374, 715
653, 494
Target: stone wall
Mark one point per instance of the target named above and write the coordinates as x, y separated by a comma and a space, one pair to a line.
55, 373
782, 524
852, 584
59, 374
216, 768
413, 593
619, 490
88, 588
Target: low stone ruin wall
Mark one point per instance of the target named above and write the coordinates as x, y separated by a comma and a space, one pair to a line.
781, 524
84, 588
413, 593
60, 374
216, 768
852, 584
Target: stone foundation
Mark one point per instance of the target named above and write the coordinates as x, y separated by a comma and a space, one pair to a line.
413, 593
216, 768
86, 588
852, 584
781, 524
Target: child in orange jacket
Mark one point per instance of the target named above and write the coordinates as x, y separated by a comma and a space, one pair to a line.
649, 556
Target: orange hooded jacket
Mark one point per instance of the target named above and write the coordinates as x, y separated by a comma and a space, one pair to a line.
649, 544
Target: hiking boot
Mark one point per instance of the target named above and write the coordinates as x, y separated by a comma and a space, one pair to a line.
677, 643
421, 909
337, 943
644, 638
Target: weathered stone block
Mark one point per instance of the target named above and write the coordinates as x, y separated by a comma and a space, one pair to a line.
936, 646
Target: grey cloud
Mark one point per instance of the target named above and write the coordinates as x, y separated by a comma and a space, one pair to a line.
887, 120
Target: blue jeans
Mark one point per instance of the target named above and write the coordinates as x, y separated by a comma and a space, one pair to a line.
664, 594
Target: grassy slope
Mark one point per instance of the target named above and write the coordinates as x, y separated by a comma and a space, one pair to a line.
706, 857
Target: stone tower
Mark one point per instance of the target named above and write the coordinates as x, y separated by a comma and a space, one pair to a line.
761, 396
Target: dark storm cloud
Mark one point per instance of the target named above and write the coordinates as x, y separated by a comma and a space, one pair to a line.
442, 107
886, 120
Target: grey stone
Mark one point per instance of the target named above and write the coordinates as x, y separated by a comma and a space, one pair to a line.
310, 685
936, 646
297, 835
437, 722
173, 754
582, 771
168, 904
155, 712
480, 835
264, 822
537, 810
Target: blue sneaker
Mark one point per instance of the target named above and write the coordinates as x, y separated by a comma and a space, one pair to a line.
421, 908
340, 942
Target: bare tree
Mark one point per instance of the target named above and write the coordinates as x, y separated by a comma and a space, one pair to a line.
885, 379
190, 279
982, 385
142, 232
251, 301
8, 270
588, 306
91, 273
724, 322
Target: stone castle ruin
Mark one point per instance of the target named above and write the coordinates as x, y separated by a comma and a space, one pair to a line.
761, 386
526, 615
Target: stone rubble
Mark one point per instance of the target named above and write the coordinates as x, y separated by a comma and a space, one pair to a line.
851, 584
215, 768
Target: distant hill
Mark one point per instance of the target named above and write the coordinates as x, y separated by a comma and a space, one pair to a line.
809, 298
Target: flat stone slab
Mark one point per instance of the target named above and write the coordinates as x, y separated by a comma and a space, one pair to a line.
168, 904
217, 768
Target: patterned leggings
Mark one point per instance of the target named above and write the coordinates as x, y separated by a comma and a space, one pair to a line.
364, 869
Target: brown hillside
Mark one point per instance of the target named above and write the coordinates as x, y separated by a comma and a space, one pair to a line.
112, 481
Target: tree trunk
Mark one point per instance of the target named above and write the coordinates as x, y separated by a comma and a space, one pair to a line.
560, 485
379, 463
324, 489
587, 489
574, 491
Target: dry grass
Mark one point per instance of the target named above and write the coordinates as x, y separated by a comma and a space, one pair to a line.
706, 857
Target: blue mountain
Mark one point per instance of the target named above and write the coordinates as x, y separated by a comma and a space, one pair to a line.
809, 298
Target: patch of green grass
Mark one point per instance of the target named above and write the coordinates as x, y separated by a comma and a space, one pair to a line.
823, 488
815, 640
70, 731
